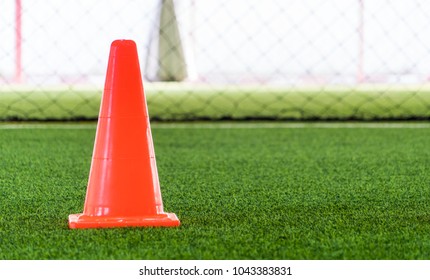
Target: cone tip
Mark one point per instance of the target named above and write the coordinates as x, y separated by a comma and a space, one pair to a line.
123, 43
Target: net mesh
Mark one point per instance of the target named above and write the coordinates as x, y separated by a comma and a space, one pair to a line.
293, 59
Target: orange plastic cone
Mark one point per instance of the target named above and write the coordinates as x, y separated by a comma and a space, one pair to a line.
123, 187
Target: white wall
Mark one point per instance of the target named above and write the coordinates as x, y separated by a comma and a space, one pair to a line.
237, 40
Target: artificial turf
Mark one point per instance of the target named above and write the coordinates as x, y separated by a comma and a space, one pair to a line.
240, 193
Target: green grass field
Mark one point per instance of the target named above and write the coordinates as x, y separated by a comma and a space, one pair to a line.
241, 191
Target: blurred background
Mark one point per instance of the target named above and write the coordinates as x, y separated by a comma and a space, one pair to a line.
237, 59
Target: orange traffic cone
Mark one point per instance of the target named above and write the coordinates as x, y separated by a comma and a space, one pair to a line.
123, 187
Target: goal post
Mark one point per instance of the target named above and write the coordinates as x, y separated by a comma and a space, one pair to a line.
170, 55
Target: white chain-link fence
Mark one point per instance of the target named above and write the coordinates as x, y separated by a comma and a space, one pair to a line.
300, 59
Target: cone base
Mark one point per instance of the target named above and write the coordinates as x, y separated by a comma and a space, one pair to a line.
160, 220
